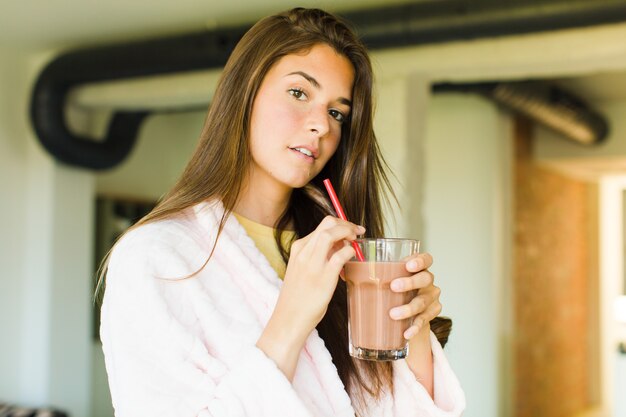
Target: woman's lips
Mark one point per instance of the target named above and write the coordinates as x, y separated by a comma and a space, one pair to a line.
302, 155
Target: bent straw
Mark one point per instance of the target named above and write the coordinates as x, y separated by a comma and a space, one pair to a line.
342, 215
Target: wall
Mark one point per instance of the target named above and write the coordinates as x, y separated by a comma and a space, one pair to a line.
465, 207
399, 123
165, 144
45, 256
553, 277
611, 242
12, 220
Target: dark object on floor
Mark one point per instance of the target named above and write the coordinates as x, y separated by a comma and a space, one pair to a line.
7, 410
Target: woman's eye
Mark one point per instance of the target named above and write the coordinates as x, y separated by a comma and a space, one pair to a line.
337, 115
297, 93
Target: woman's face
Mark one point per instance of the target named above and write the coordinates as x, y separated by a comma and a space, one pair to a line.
296, 117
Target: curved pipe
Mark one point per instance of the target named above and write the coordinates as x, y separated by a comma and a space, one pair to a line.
67, 71
47, 115
419, 23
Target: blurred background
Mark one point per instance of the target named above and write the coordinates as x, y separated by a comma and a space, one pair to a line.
503, 121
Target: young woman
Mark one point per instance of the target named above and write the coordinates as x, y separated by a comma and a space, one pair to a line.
226, 299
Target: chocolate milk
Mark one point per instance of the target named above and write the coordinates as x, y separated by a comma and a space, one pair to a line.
369, 300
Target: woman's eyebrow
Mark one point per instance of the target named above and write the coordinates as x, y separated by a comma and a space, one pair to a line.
316, 84
309, 78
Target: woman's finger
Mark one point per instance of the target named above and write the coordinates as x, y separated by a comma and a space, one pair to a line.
328, 223
419, 262
414, 307
425, 317
418, 281
417, 305
318, 246
325, 239
339, 259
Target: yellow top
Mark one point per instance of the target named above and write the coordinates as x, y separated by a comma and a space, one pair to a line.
263, 237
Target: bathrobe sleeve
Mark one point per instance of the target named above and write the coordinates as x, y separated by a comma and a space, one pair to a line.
412, 400
158, 366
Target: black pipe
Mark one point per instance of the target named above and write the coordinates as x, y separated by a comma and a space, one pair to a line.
70, 70
422, 22
435, 21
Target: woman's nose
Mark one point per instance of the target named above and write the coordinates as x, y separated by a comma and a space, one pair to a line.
318, 121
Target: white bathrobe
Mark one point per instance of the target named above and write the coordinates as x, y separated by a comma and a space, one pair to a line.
184, 347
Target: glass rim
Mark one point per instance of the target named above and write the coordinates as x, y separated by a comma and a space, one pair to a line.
386, 239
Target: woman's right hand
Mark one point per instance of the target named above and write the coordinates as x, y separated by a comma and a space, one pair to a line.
310, 280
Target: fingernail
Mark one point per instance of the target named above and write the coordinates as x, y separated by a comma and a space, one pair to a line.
412, 265
361, 229
396, 285
410, 332
395, 313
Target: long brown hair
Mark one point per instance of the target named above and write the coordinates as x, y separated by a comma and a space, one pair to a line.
221, 159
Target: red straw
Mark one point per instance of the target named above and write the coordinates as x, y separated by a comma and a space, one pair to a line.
341, 214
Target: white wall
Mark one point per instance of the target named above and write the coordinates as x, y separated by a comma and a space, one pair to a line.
12, 219
45, 254
611, 242
164, 145
402, 106
465, 209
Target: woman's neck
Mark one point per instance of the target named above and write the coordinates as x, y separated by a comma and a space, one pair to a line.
262, 204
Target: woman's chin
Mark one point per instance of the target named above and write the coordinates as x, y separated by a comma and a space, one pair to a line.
298, 184
298, 181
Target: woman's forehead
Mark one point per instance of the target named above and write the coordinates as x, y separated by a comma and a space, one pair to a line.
323, 63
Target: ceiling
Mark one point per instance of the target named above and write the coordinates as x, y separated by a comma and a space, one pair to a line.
604, 86
64, 24
41, 24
